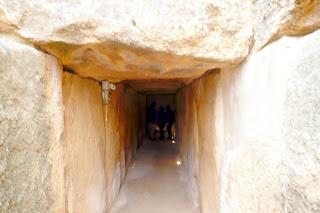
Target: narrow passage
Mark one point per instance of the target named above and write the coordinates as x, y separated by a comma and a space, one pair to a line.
154, 183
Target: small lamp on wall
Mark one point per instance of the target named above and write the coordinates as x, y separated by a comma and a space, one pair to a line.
106, 87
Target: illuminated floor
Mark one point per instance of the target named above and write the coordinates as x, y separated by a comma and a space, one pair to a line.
154, 183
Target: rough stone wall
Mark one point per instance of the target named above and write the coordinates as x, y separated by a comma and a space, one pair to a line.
121, 120
197, 140
187, 138
99, 140
114, 152
132, 103
264, 130
276, 18
271, 129
84, 145
213, 25
31, 124
114, 40
301, 126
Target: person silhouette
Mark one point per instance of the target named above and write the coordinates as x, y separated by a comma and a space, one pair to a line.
161, 121
151, 119
170, 119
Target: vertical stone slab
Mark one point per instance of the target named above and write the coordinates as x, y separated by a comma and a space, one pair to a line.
131, 124
121, 125
197, 140
114, 151
271, 122
301, 127
84, 145
256, 127
31, 123
187, 138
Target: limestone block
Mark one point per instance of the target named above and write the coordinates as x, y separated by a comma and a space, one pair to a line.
197, 28
197, 141
271, 129
251, 135
187, 138
84, 145
253, 179
276, 18
31, 124
135, 39
114, 150
301, 127
121, 125
119, 40
99, 142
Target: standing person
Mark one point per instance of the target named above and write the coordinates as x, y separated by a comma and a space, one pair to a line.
151, 120
161, 121
170, 119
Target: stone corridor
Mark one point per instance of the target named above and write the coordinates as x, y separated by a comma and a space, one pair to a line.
242, 76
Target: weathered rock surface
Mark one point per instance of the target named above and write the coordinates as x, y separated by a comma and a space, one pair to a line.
115, 167
121, 123
302, 124
256, 127
277, 18
197, 141
84, 145
250, 134
167, 39
99, 142
271, 129
119, 40
199, 28
31, 124
158, 86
